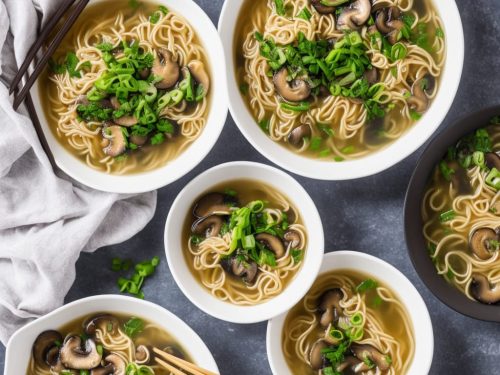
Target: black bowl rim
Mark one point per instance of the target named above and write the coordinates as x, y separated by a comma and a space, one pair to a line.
415, 243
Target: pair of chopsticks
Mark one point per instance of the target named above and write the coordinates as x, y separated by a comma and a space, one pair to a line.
23, 95
176, 363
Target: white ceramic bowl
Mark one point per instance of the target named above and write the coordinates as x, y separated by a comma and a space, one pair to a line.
383, 271
175, 169
198, 294
374, 162
19, 347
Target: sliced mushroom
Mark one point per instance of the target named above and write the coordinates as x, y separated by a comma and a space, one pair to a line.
292, 238
106, 323
246, 270
44, 344
118, 363
395, 35
355, 15
294, 91
353, 364
329, 306
273, 243
492, 160
419, 100
208, 226
144, 73
316, 358
326, 6
82, 99
139, 140
115, 103
388, 22
366, 351
166, 67
483, 291
117, 144
126, 121
103, 370
142, 354
79, 355
297, 135
371, 75
479, 242
197, 69
212, 203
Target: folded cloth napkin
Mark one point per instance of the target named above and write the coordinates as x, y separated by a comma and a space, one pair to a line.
45, 220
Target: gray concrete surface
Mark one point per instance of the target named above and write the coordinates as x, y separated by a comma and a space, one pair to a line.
364, 215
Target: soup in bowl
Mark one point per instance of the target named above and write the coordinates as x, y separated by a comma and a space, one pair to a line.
360, 316
243, 241
129, 91
340, 84
104, 335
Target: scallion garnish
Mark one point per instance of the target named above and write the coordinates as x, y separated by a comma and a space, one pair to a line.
447, 216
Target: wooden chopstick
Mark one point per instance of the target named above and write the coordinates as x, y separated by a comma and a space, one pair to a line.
75, 12
170, 368
185, 365
44, 34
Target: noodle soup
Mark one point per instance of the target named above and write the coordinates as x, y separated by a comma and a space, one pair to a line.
105, 343
338, 82
128, 89
460, 211
244, 241
348, 323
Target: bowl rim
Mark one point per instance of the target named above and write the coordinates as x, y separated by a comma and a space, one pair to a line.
375, 162
190, 157
413, 223
201, 355
198, 294
424, 347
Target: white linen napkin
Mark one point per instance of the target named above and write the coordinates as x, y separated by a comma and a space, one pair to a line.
45, 220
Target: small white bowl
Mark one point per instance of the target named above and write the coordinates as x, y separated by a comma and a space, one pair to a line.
187, 160
196, 292
375, 162
389, 275
19, 347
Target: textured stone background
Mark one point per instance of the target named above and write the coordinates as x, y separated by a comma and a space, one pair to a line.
364, 215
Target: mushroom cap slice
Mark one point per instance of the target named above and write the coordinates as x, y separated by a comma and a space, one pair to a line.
297, 135
329, 306
139, 140
103, 370
355, 15
126, 121
292, 237
294, 91
208, 226
371, 75
316, 358
385, 15
366, 351
353, 364
273, 243
44, 344
117, 144
118, 363
142, 354
246, 270
483, 291
395, 35
211, 203
104, 322
197, 69
492, 160
166, 67
419, 100
77, 356
479, 242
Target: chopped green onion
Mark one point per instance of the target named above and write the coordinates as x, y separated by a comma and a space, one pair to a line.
357, 319
447, 216
301, 107
366, 285
493, 179
305, 14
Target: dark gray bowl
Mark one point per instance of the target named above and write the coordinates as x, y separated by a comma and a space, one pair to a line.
413, 220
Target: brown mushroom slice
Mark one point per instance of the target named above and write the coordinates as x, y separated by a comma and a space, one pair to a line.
117, 141
106, 323
352, 364
384, 17
103, 370
294, 91
273, 243
327, 6
492, 160
211, 203
419, 100
144, 73
126, 121
197, 69
44, 344
165, 67
483, 291
395, 35
115, 103
316, 358
366, 351
139, 140
82, 99
246, 270
297, 135
292, 238
479, 242
208, 226
142, 354
329, 306
371, 75
79, 355
355, 15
